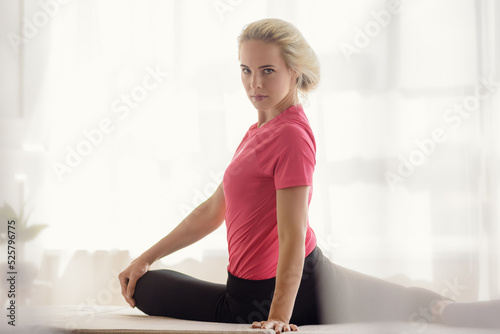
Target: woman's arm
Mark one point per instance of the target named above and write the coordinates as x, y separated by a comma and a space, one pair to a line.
292, 211
203, 220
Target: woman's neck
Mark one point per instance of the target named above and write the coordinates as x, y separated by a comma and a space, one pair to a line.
267, 115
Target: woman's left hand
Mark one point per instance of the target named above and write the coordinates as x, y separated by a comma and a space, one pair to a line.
277, 326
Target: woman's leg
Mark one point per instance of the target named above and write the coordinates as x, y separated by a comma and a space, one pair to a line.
250, 300
474, 314
349, 296
172, 294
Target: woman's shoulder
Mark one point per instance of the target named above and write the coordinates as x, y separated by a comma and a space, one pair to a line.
290, 131
286, 132
296, 128
296, 118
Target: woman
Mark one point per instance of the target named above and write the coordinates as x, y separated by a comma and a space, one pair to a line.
277, 276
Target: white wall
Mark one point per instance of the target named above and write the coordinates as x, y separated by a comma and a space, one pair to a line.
388, 83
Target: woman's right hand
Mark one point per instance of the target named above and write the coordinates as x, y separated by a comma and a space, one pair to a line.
129, 276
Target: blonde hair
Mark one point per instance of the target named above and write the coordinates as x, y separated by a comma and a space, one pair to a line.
297, 53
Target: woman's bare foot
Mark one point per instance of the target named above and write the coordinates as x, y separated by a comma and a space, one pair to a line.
483, 314
438, 307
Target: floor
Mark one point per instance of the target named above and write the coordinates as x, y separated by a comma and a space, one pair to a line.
118, 320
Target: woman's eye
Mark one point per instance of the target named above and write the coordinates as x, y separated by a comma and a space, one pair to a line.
245, 70
268, 70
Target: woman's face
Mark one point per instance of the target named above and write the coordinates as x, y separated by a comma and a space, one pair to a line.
269, 83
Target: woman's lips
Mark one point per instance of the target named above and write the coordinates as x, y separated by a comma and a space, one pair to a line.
258, 98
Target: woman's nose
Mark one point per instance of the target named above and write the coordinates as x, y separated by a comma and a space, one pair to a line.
256, 82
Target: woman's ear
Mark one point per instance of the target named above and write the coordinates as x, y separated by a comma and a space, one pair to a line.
295, 75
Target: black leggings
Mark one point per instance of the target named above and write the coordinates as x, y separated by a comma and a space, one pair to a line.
328, 293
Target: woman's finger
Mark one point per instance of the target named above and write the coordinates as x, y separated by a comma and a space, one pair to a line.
123, 283
278, 327
130, 290
268, 325
257, 324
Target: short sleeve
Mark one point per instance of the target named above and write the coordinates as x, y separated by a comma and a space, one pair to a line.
295, 157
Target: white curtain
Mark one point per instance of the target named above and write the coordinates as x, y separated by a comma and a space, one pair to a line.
129, 111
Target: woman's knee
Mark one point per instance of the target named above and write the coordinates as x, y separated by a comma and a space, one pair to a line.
146, 292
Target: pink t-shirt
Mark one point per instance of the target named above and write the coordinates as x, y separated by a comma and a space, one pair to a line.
279, 154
